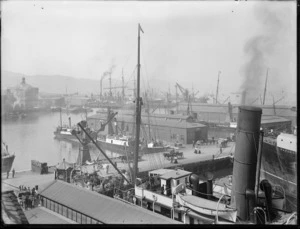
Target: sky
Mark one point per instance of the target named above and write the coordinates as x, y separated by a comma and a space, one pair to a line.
184, 42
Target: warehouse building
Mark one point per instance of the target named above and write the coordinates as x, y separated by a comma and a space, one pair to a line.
171, 129
268, 123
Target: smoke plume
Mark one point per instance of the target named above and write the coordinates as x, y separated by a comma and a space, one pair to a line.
262, 49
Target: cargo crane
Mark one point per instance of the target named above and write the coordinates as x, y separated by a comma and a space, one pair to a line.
194, 95
111, 116
184, 91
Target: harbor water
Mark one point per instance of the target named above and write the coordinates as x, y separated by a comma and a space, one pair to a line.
32, 138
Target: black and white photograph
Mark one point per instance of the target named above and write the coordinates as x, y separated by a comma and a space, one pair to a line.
148, 112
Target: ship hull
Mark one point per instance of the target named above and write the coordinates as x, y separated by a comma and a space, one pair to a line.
279, 167
66, 137
7, 162
116, 148
121, 149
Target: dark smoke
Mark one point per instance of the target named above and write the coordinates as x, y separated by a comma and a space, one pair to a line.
261, 49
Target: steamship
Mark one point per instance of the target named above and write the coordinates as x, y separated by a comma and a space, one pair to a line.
122, 144
64, 133
279, 163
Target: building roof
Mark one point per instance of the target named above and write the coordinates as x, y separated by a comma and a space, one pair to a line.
273, 119
175, 174
100, 207
223, 108
160, 171
167, 121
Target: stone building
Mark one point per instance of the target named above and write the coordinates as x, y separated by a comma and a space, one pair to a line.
27, 97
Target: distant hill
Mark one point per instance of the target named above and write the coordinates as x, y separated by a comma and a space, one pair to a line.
59, 84
51, 83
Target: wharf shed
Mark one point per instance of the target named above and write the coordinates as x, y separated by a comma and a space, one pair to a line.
275, 123
76, 100
167, 128
219, 113
88, 207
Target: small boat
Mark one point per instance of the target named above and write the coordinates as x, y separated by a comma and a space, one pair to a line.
116, 143
168, 188
208, 207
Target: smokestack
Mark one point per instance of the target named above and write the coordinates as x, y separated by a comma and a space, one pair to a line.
245, 158
243, 102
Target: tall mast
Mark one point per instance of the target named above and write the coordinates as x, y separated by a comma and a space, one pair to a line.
218, 87
60, 117
101, 86
265, 87
110, 93
176, 99
123, 90
148, 108
138, 112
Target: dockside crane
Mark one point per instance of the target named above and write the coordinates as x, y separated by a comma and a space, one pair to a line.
111, 116
81, 125
184, 91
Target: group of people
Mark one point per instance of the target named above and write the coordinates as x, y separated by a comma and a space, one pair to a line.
29, 198
13, 173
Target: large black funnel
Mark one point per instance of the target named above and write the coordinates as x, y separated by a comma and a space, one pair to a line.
245, 158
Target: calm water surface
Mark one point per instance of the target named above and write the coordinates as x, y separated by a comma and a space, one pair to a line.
32, 138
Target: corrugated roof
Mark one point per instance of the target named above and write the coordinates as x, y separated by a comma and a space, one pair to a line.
272, 119
160, 171
166, 121
101, 207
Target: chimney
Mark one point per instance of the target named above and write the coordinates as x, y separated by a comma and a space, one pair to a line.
245, 158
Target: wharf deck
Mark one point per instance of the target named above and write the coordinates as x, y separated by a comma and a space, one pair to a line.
147, 163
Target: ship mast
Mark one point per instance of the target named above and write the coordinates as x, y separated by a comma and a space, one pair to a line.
138, 112
123, 87
265, 87
60, 118
217, 88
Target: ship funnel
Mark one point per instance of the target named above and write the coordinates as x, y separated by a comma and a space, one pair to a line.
245, 158
243, 101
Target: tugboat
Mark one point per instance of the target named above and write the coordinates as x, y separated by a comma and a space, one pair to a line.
180, 194
7, 159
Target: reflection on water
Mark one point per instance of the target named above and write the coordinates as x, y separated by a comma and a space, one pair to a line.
32, 138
